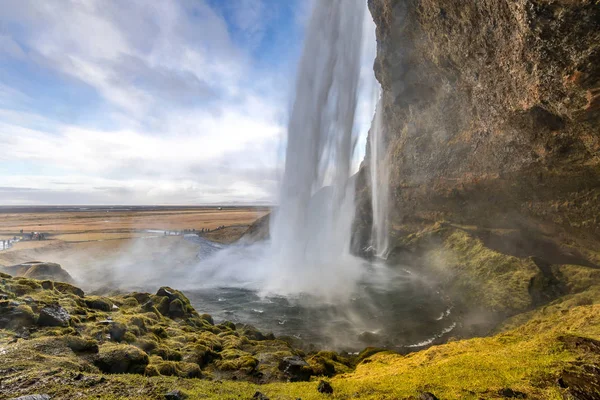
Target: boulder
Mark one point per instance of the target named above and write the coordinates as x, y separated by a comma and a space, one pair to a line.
260, 396
121, 359
54, 315
117, 331
99, 303
325, 388
296, 369
14, 315
33, 397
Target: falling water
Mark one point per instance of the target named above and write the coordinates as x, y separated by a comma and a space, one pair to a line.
379, 170
311, 230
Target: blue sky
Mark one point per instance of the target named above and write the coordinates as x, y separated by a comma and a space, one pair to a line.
138, 102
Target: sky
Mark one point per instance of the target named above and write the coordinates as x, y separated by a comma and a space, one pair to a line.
147, 102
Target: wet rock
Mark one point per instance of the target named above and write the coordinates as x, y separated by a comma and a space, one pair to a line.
120, 359
296, 369
260, 396
176, 395
427, 396
33, 397
325, 387
54, 316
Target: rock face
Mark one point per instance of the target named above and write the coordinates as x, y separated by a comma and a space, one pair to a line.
491, 111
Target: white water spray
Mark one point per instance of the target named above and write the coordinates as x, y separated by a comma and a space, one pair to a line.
312, 228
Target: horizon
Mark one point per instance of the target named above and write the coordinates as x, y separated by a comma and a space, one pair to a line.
174, 103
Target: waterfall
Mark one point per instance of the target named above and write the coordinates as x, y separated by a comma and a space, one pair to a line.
311, 229
379, 171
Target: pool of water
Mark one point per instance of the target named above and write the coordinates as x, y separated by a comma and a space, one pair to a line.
412, 315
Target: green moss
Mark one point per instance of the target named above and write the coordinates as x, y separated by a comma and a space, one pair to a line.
81, 345
173, 368
167, 353
479, 275
120, 358
99, 303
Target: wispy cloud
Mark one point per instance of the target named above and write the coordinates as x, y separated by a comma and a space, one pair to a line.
181, 115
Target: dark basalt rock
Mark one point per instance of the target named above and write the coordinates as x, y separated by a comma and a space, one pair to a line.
176, 395
296, 369
260, 396
54, 316
325, 387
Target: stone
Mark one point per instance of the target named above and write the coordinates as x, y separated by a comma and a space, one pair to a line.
176, 395
260, 396
296, 369
117, 332
121, 359
427, 396
15, 316
33, 397
325, 388
54, 316
176, 309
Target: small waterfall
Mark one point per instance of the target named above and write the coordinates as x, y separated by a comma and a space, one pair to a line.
379, 171
312, 227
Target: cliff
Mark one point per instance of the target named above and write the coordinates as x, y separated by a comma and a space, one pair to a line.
491, 114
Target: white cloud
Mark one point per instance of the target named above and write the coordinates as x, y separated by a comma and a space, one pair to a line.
189, 126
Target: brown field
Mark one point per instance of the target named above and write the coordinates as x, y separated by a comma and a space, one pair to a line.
90, 244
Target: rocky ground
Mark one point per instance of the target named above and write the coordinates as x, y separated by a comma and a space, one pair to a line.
56, 340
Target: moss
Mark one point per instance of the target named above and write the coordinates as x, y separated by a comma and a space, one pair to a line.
81, 345
148, 345
479, 275
99, 303
67, 288
180, 369
208, 318
167, 353
120, 358
236, 360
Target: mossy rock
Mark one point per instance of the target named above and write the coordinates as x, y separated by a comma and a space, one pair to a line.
236, 360
121, 358
99, 303
208, 318
165, 296
63, 287
199, 354
15, 316
167, 353
175, 368
81, 345
226, 325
